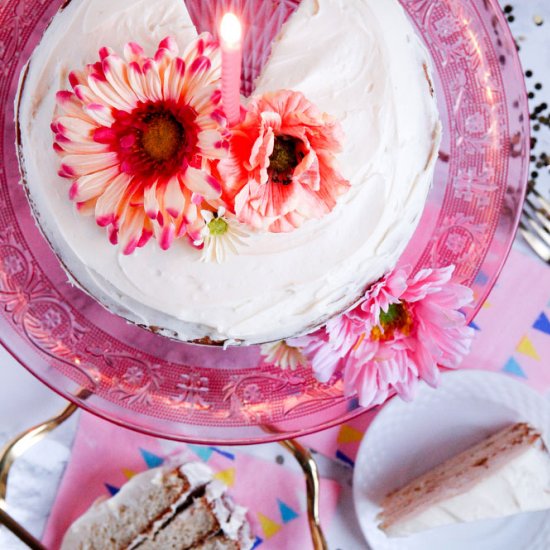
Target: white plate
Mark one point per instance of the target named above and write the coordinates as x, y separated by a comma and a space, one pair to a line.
407, 439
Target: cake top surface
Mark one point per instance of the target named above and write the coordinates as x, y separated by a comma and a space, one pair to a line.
295, 280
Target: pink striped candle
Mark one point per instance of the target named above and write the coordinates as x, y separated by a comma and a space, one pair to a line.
232, 53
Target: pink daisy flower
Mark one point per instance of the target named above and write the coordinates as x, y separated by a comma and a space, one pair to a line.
282, 168
404, 331
137, 135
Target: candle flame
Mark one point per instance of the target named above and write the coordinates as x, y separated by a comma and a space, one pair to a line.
231, 29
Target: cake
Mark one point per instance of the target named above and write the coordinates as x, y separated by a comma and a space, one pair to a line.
164, 508
359, 62
506, 474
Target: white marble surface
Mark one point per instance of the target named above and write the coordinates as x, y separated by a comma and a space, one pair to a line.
24, 401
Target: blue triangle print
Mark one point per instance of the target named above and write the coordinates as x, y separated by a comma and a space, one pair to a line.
542, 324
257, 543
152, 461
481, 278
474, 326
224, 453
513, 367
344, 458
287, 513
112, 489
204, 453
353, 404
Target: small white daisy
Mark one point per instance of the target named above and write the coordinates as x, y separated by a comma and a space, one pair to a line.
221, 236
283, 355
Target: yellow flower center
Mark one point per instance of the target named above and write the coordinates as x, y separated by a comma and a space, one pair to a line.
396, 319
162, 137
217, 227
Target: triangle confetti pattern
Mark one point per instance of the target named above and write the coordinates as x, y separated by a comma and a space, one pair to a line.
112, 489
344, 458
513, 367
226, 454
128, 474
474, 326
269, 527
152, 460
226, 476
204, 453
257, 543
287, 513
348, 434
542, 324
525, 347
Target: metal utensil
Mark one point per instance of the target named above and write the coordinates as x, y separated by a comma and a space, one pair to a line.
535, 223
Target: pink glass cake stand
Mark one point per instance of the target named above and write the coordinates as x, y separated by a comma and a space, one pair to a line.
192, 393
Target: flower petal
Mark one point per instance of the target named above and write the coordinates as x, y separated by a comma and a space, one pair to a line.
174, 200
87, 164
202, 183
93, 185
107, 205
131, 230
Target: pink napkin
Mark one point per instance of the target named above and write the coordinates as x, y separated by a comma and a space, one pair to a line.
105, 456
513, 337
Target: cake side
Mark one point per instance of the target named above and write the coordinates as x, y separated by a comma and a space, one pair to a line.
165, 507
114, 523
505, 474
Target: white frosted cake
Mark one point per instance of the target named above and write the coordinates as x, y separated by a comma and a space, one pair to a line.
506, 474
164, 508
286, 269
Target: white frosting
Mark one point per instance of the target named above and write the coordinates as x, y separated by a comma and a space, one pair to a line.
231, 517
521, 485
358, 60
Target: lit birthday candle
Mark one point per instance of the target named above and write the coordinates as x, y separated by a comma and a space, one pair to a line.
231, 44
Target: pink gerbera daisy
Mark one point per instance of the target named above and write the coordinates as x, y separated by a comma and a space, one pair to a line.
404, 330
282, 168
137, 135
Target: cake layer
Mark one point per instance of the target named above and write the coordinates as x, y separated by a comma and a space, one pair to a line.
358, 60
164, 509
506, 474
114, 524
193, 524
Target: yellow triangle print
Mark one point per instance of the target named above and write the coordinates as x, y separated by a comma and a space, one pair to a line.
269, 527
487, 305
349, 435
226, 476
128, 474
526, 348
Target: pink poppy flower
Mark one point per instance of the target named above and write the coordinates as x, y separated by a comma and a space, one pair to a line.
282, 168
404, 331
136, 136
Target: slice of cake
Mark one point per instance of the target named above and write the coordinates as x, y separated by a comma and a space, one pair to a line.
163, 508
358, 61
506, 474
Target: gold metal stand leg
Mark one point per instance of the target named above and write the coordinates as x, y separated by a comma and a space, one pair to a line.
311, 473
13, 450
